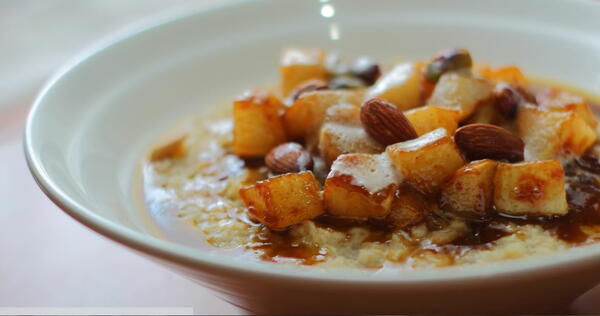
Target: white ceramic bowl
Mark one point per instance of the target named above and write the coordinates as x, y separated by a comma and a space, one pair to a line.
92, 123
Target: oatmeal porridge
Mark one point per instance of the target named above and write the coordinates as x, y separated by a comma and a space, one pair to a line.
421, 164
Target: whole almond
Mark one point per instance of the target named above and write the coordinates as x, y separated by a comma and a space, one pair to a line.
486, 141
288, 158
385, 123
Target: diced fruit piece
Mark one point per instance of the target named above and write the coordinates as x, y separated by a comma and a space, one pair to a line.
288, 157
409, 207
461, 91
305, 116
342, 133
530, 188
258, 125
385, 123
426, 119
486, 114
448, 60
401, 86
171, 150
336, 139
343, 114
469, 192
300, 65
548, 133
426, 162
284, 200
508, 74
559, 100
360, 186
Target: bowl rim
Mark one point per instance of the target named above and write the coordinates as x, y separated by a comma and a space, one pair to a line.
215, 263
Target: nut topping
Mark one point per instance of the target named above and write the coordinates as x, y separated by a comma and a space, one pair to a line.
507, 99
385, 123
288, 158
486, 141
448, 60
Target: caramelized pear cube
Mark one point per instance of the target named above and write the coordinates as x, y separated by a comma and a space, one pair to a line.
426, 119
284, 200
530, 188
426, 162
301, 65
305, 116
401, 86
461, 91
342, 133
408, 208
258, 126
470, 190
548, 133
360, 186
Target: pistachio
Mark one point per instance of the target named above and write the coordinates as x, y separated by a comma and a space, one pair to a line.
448, 60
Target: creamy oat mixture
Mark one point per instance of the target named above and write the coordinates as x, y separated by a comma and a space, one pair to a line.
201, 174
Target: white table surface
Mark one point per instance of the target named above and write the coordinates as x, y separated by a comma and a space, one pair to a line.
46, 258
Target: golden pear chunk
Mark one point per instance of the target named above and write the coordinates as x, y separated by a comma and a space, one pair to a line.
428, 161
284, 200
531, 188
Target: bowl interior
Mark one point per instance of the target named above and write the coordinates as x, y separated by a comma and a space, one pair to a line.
92, 125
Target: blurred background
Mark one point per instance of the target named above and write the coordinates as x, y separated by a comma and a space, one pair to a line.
46, 258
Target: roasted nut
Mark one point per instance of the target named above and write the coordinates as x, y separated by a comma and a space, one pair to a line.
288, 158
366, 69
346, 82
453, 59
486, 141
590, 160
307, 86
385, 123
507, 99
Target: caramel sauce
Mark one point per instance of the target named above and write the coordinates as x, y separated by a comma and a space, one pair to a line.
281, 245
583, 194
481, 233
